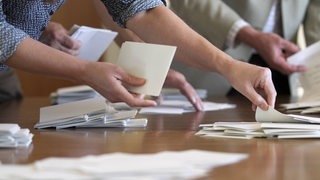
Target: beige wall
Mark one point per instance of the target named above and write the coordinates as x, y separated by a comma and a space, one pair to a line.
72, 12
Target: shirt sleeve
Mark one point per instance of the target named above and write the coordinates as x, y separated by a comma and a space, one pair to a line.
10, 36
122, 10
234, 30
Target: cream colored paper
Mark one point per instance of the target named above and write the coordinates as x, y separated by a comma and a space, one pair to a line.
148, 61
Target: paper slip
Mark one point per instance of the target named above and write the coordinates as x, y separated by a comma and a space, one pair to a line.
94, 41
190, 164
183, 106
305, 85
148, 61
73, 93
175, 94
11, 136
94, 112
269, 124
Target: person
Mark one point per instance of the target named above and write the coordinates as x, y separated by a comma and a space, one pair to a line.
56, 36
261, 32
151, 20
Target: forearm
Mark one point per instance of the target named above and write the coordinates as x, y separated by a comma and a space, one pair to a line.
47, 61
192, 49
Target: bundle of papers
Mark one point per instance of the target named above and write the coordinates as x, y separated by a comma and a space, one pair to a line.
11, 135
73, 93
304, 86
183, 106
94, 41
191, 164
175, 94
270, 124
94, 112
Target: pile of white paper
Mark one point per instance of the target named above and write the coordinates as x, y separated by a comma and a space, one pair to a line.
183, 106
94, 112
184, 165
304, 86
270, 124
73, 93
11, 135
175, 94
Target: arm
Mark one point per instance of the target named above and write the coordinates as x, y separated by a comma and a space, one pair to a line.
160, 25
174, 79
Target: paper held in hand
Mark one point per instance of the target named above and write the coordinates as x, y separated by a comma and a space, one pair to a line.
94, 41
148, 61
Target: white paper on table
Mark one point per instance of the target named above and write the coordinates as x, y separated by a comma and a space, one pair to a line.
72, 109
188, 164
306, 85
183, 106
148, 61
272, 115
94, 41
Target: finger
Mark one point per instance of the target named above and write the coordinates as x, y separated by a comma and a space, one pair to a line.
193, 97
289, 47
70, 43
127, 78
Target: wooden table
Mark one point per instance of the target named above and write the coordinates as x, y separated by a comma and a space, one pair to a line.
268, 158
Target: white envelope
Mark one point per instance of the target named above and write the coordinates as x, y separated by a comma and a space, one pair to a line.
148, 61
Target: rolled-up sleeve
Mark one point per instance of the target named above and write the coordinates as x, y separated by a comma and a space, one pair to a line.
122, 10
10, 36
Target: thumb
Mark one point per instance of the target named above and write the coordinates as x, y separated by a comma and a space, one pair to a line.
130, 79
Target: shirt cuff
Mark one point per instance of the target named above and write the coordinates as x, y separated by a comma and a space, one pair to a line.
232, 34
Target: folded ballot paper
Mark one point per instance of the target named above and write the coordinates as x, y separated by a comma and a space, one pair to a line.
11, 135
148, 61
304, 86
73, 93
94, 41
269, 124
94, 112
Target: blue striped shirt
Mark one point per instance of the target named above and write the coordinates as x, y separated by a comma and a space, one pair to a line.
20, 19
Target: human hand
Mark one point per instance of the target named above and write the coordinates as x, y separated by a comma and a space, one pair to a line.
254, 82
56, 36
110, 81
272, 48
177, 80
275, 50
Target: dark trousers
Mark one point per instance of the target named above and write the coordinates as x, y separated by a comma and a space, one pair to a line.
280, 81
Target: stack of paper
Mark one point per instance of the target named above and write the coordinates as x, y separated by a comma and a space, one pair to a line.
304, 86
94, 112
94, 41
11, 135
191, 164
73, 93
270, 124
183, 106
175, 94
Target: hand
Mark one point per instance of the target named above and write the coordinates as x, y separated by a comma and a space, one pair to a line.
110, 81
177, 80
275, 51
56, 36
254, 82
272, 48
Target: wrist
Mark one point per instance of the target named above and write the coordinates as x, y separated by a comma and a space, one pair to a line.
249, 36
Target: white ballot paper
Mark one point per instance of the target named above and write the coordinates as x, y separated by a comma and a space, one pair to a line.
94, 41
12, 136
148, 61
306, 85
269, 124
184, 165
94, 112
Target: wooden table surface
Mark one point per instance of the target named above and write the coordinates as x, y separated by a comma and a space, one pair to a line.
268, 158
